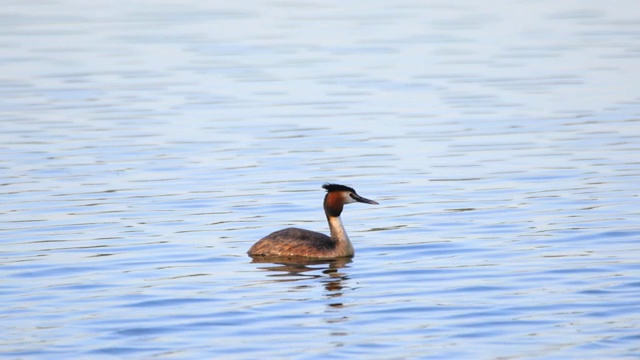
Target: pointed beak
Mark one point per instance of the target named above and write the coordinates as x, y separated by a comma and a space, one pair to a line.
359, 198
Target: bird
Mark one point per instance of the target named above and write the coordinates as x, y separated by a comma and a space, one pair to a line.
295, 242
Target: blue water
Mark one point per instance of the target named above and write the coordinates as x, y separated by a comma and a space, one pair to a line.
146, 146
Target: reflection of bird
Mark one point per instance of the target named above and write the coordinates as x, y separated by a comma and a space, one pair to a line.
294, 269
306, 243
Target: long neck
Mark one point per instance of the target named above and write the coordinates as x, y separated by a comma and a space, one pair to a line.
339, 234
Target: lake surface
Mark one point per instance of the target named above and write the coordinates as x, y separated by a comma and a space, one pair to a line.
146, 146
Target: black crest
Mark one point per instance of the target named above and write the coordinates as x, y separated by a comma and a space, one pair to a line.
335, 187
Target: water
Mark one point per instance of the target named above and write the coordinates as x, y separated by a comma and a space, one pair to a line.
146, 146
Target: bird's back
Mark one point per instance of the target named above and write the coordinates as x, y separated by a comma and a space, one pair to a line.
294, 242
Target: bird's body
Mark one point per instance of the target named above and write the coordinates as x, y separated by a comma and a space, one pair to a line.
294, 242
300, 242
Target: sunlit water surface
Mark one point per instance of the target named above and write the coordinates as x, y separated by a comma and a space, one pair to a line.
146, 146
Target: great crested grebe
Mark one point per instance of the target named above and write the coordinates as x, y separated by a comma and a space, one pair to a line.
311, 244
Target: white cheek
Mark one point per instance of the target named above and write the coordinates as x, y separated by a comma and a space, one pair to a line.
348, 199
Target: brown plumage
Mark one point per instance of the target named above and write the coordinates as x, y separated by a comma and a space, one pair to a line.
296, 242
